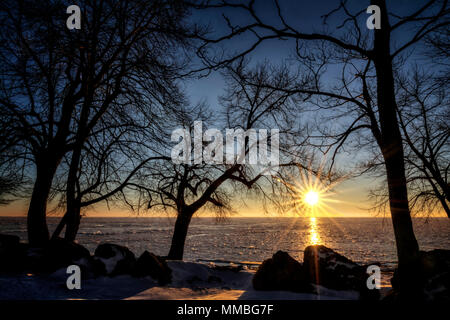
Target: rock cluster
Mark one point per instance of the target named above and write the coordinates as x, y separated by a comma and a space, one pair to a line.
321, 267
324, 267
108, 259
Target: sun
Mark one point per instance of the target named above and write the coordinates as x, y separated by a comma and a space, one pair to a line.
310, 193
311, 198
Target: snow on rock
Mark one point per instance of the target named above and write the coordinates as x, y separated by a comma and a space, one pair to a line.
325, 267
190, 274
117, 259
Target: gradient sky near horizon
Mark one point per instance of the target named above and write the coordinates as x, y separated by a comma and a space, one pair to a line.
351, 197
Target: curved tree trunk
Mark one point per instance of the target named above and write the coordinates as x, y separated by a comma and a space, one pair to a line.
73, 202
60, 227
71, 220
179, 235
37, 227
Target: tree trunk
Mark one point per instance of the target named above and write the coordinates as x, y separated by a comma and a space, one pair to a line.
445, 206
179, 235
37, 227
392, 150
60, 227
73, 202
73, 221
407, 247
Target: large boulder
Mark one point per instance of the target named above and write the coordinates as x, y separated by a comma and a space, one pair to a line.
149, 264
116, 259
281, 272
328, 268
56, 254
66, 252
12, 253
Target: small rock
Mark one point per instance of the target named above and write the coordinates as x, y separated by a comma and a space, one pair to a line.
232, 268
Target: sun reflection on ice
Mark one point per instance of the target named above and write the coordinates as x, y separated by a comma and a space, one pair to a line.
314, 237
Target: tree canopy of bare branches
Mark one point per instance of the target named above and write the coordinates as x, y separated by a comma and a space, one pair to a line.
365, 93
57, 84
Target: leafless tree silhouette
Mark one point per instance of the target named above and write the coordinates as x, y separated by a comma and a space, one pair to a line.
57, 84
423, 111
187, 189
366, 60
109, 161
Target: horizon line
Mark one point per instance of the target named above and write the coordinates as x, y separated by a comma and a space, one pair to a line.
234, 217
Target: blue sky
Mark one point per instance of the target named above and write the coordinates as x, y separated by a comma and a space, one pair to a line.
303, 15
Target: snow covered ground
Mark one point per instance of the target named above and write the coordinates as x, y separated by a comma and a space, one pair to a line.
189, 281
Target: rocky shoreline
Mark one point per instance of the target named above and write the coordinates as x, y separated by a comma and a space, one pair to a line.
322, 268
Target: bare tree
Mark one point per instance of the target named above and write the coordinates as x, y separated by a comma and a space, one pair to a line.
56, 84
188, 188
426, 158
439, 51
7, 188
367, 56
424, 111
109, 161
11, 181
